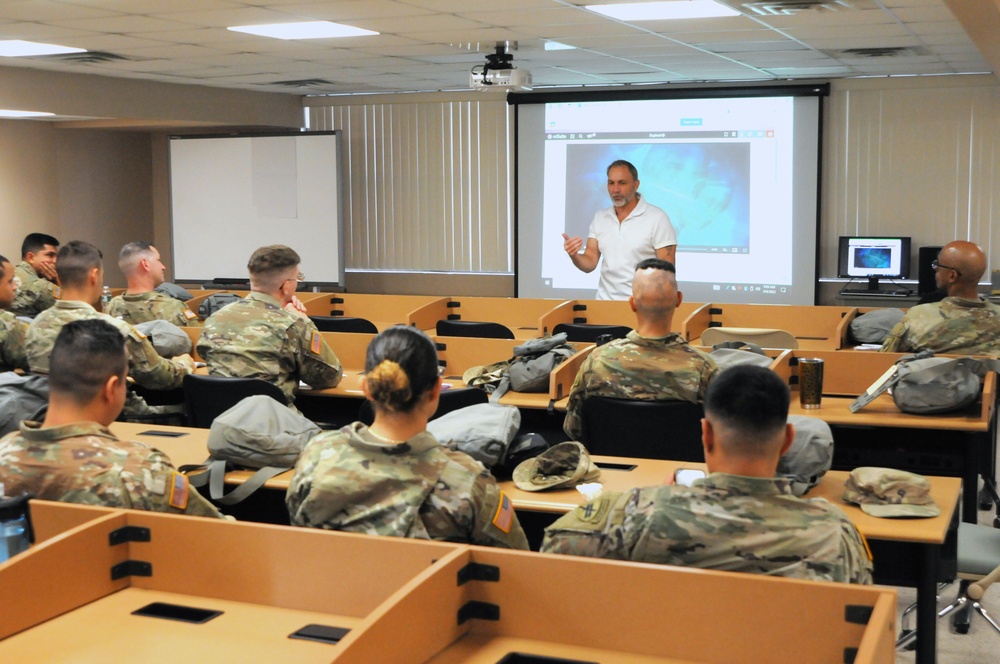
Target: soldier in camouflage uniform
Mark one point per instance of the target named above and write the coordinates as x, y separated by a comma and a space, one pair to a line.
393, 478
72, 456
651, 363
140, 263
740, 518
82, 276
962, 323
268, 334
37, 275
13, 354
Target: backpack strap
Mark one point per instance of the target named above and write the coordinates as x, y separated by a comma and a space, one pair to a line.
214, 476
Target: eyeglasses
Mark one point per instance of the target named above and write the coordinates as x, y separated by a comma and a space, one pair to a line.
937, 266
300, 278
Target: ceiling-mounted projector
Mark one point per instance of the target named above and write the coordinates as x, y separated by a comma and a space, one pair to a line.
499, 72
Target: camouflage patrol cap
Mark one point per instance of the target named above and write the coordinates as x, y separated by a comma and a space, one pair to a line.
887, 492
562, 465
810, 455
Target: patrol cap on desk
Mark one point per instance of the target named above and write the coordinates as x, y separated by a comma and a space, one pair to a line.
887, 492
562, 465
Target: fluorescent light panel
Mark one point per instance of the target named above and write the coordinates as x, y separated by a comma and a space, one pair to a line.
557, 46
23, 114
15, 48
303, 30
664, 11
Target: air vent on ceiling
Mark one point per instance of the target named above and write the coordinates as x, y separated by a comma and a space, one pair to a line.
791, 7
303, 83
882, 52
87, 57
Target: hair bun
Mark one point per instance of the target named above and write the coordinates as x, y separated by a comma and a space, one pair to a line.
389, 385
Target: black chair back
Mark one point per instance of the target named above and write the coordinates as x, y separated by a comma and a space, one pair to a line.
344, 324
588, 333
207, 397
451, 399
472, 328
643, 429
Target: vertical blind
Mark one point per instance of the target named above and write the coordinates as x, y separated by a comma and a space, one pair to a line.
915, 157
428, 183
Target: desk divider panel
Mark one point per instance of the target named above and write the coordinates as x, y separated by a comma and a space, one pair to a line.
62, 573
384, 310
461, 353
194, 333
696, 322
813, 326
50, 519
569, 606
350, 348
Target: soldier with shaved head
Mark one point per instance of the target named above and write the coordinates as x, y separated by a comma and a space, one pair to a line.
651, 363
963, 323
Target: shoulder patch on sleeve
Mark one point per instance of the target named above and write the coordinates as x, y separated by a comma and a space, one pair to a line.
316, 343
190, 315
504, 517
179, 490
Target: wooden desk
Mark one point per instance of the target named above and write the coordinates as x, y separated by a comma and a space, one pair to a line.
521, 315
607, 312
814, 327
405, 601
382, 310
911, 552
959, 444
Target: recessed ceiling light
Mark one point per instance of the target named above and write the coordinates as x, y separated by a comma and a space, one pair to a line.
23, 114
14, 48
557, 46
304, 30
664, 11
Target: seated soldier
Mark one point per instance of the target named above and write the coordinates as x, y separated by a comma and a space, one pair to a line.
963, 323
740, 518
72, 456
13, 332
267, 334
140, 263
37, 275
81, 273
393, 478
651, 363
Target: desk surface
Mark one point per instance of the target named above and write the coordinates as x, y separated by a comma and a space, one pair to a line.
882, 412
190, 448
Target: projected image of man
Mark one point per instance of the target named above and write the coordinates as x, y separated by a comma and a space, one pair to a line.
628, 232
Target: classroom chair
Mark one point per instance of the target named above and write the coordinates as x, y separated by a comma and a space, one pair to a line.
207, 397
472, 328
978, 563
451, 399
654, 429
344, 324
588, 333
763, 337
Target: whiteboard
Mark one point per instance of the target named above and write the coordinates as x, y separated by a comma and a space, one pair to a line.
230, 195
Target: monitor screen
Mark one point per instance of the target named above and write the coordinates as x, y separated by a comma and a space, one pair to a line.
865, 257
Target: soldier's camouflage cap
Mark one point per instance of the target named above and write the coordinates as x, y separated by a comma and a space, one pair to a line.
887, 492
562, 465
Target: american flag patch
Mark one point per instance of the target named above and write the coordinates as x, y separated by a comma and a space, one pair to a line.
179, 488
505, 514
316, 343
190, 315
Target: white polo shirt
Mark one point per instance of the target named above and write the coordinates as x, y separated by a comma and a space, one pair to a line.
622, 245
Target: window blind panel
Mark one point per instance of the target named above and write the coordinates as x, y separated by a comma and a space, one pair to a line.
428, 184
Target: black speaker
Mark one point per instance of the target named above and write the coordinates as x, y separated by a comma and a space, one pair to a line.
925, 273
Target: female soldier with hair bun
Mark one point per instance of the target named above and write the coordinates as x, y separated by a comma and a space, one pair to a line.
393, 478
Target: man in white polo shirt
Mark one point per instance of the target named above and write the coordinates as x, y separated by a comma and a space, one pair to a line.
624, 234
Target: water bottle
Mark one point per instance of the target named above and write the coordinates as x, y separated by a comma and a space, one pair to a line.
15, 528
105, 299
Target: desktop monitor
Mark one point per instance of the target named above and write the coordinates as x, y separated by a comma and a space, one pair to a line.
873, 258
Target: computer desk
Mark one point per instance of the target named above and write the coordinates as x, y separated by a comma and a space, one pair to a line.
921, 551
